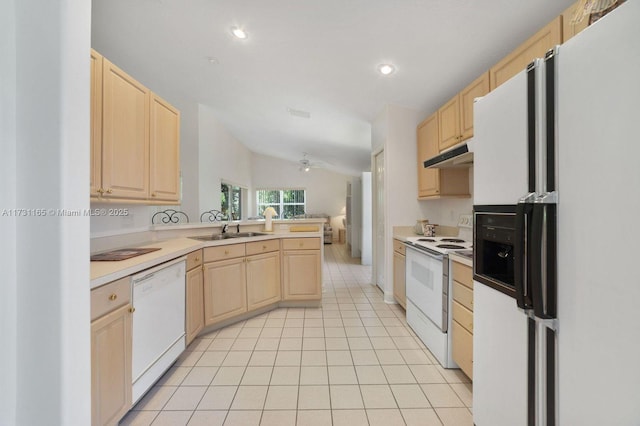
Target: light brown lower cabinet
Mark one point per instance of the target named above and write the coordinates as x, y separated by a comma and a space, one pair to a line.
263, 280
302, 270
195, 303
111, 367
225, 290
194, 296
463, 348
399, 278
462, 324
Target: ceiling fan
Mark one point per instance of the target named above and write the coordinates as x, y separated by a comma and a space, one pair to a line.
306, 165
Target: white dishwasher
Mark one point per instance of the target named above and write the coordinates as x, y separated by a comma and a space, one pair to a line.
158, 322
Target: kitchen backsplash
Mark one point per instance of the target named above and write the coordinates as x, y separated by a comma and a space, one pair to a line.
446, 211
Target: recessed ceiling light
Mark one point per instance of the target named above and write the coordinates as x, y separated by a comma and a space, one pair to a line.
213, 60
239, 33
386, 69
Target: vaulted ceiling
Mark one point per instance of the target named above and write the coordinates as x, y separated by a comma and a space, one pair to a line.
316, 57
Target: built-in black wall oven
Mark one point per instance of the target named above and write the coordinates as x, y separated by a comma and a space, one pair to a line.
494, 247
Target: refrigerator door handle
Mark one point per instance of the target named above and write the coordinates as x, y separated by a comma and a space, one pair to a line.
543, 259
524, 210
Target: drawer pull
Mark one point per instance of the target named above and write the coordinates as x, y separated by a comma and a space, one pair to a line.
226, 252
113, 297
471, 326
301, 244
264, 247
197, 259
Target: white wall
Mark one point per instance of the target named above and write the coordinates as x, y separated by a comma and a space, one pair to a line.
8, 174
394, 129
221, 157
326, 190
45, 46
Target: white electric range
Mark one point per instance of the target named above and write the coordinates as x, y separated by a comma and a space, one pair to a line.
428, 287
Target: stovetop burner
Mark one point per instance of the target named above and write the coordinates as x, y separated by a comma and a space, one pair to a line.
428, 240
449, 246
452, 240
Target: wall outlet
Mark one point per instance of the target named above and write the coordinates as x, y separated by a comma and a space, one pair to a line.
465, 221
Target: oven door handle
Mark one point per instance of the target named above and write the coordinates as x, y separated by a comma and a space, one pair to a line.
521, 255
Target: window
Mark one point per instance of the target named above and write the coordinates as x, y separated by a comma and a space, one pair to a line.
287, 202
230, 201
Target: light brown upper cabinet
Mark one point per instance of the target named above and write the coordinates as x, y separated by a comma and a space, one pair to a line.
164, 150
428, 179
96, 123
125, 135
455, 118
535, 47
569, 29
135, 142
449, 123
478, 88
437, 183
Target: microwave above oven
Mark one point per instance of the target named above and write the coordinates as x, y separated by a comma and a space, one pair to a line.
494, 247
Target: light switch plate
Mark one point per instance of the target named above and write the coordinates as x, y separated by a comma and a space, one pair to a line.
465, 221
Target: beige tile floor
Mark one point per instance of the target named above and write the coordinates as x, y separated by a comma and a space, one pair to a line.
352, 362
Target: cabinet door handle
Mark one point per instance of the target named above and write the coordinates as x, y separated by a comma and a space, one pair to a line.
113, 297
100, 191
153, 194
132, 309
197, 259
226, 252
264, 247
109, 191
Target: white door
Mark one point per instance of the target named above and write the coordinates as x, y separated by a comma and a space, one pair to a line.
379, 219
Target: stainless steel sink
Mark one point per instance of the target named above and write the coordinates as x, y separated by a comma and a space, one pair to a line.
218, 237
244, 234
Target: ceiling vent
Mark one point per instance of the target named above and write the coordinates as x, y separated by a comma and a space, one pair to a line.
299, 113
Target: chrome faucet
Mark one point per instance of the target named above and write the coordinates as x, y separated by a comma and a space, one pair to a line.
238, 228
224, 228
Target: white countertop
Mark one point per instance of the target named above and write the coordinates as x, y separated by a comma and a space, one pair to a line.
461, 259
104, 272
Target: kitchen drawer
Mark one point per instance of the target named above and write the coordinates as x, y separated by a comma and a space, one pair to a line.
258, 247
463, 316
463, 295
194, 259
463, 274
230, 251
301, 243
108, 297
462, 352
399, 247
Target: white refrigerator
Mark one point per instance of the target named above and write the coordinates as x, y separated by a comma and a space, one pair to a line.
557, 154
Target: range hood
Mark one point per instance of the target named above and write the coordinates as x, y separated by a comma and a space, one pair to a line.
459, 156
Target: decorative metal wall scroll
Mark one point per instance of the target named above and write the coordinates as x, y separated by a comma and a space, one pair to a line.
169, 216
212, 216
